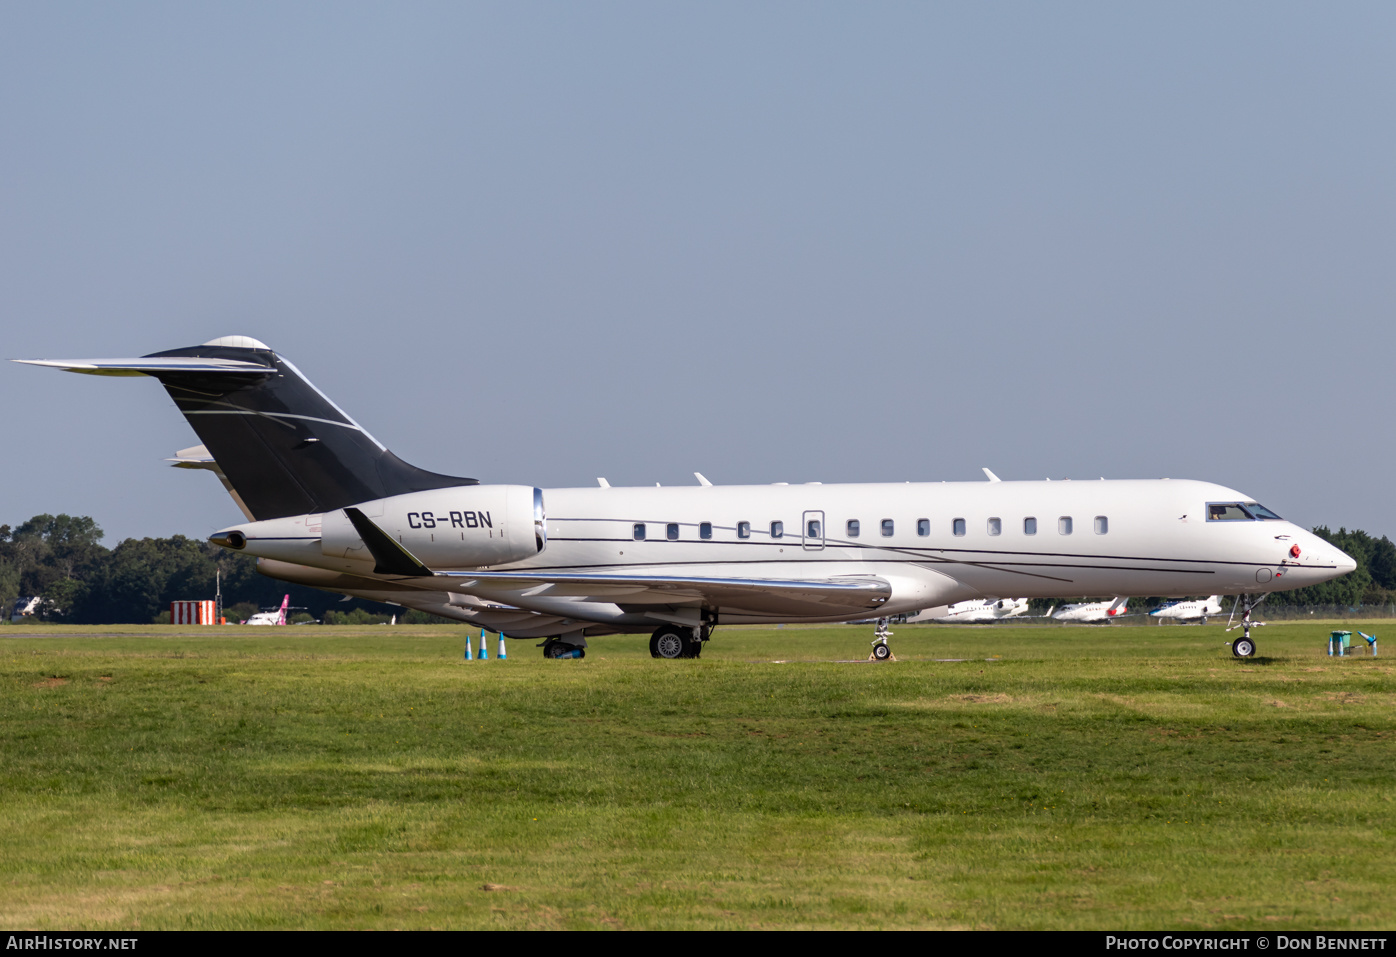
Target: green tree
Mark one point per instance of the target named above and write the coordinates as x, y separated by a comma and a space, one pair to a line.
1381, 562
142, 576
51, 556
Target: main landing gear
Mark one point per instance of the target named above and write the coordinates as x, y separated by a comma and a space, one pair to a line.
557, 648
678, 641
1244, 647
880, 649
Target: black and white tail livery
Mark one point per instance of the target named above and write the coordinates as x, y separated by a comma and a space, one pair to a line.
284, 447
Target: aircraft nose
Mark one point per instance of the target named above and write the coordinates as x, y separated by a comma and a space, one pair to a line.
1344, 561
1315, 549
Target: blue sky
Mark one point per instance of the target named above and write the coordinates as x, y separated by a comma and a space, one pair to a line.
539, 243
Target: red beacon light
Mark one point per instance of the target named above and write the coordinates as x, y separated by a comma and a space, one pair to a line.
1294, 551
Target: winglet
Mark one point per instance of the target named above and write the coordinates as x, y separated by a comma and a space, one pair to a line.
701, 480
389, 556
992, 477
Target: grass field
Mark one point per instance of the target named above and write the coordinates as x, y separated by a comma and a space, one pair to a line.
341, 777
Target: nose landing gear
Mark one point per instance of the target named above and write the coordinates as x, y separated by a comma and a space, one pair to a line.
1244, 647
880, 650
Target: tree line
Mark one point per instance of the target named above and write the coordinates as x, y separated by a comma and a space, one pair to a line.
61, 559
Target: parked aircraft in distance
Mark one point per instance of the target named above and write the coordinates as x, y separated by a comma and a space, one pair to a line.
974, 610
327, 505
25, 607
275, 617
1092, 611
1190, 610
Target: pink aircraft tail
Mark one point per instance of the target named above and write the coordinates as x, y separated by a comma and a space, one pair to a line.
281, 618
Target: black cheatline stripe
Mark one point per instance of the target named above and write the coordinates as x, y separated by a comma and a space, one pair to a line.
821, 561
920, 556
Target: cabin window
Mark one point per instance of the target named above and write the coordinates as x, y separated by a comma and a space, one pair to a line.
1029, 526
995, 526
1227, 512
1102, 525
923, 527
743, 529
888, 527
705, 530
814, 529
1064, 525
671, 531
958, 527
853, 528
777, 529
639, 531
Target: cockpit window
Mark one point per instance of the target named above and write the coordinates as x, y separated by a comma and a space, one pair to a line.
1260, 511
1228, 512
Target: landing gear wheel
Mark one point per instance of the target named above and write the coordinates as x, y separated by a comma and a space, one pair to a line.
671, 641
1243, 648
881, 652
560, 649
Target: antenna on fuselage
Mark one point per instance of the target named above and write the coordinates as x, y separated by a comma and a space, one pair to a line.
702, 480
992, 477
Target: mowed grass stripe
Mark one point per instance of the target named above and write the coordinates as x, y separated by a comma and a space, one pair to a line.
1089, 777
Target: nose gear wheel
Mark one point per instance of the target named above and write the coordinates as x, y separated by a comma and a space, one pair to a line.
881, 651
1244, 647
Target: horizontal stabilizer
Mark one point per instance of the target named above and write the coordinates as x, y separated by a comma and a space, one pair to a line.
151, 365
196, 457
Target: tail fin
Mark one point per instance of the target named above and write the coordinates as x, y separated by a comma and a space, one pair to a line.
281, 618
283, 446
1118, 607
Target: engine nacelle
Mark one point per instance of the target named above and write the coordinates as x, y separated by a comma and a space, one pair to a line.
470, 526
467, 527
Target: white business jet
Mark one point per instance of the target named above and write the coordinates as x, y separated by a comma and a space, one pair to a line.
327, 505
1093, 611
276, 616
1190, 610
974, 611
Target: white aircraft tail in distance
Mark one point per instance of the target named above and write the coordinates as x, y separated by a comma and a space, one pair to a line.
1196, 610
275, 617
1093, 611
328, 506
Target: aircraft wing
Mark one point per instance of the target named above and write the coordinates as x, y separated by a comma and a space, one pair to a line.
829, 596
